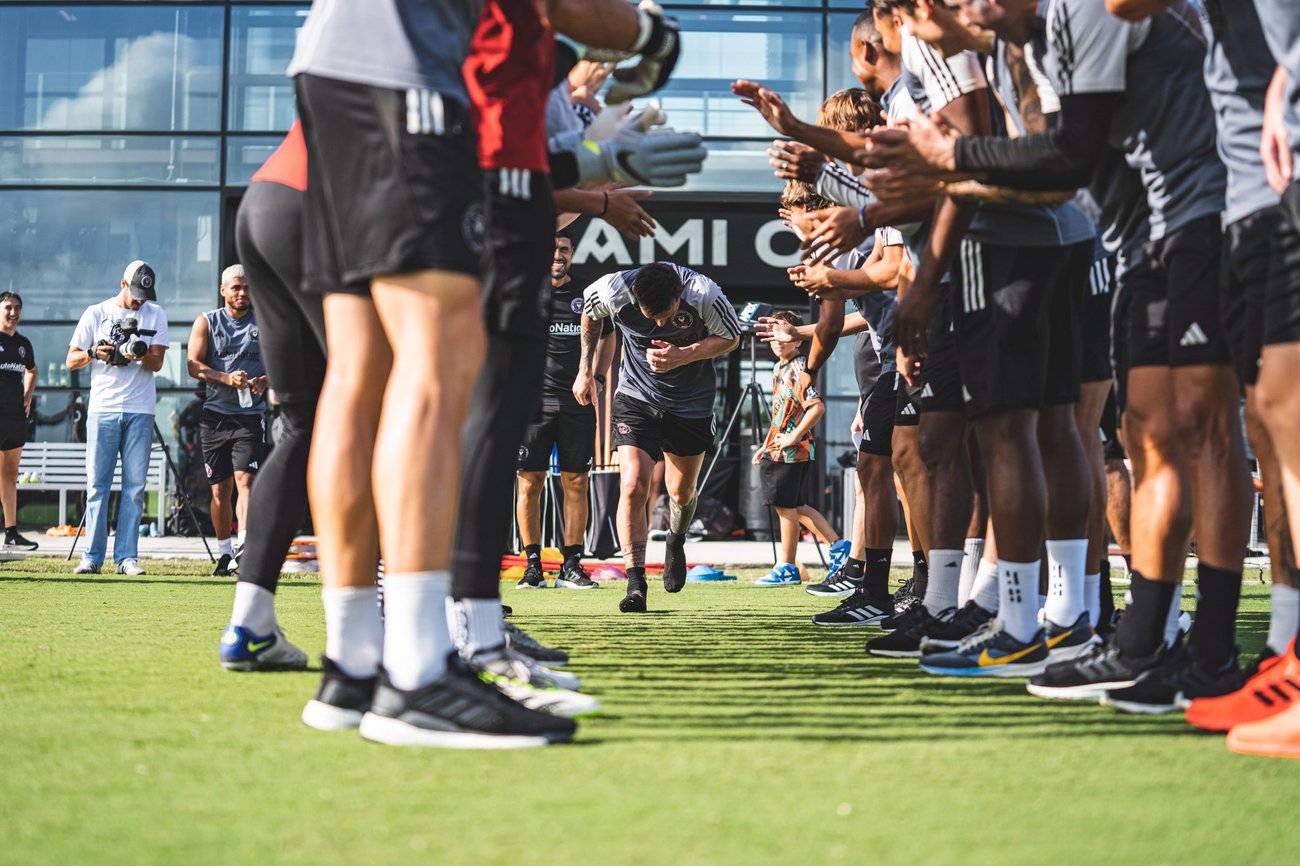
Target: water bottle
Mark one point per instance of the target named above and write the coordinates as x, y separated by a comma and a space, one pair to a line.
52, 381
245, 398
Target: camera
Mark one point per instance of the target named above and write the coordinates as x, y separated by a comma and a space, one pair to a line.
125, 338
750, 314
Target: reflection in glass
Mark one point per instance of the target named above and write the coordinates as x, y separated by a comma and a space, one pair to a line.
261, 45
94, 159
244, 156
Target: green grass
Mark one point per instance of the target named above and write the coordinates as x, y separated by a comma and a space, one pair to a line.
734, 733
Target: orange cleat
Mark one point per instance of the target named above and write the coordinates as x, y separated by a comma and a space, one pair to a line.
1274, 689
1277, 736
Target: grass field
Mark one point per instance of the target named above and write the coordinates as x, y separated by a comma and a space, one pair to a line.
734, 732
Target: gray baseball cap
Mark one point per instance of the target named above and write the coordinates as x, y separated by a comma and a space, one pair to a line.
141, 281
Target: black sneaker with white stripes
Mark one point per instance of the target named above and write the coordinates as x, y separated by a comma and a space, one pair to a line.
858, 609
965, 623
533, 577
574, 576
840, 587
341, 700
911, 627
1102, 668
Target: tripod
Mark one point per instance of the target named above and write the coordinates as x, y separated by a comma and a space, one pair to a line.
186, 504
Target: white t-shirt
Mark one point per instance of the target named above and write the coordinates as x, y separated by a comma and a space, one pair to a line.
120, 389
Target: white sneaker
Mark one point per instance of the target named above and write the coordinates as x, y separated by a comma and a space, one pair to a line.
86, 567
130, 566
533, 686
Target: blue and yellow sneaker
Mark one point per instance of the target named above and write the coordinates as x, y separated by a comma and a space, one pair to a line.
1066, 642
990, 652
784, 574
241, 650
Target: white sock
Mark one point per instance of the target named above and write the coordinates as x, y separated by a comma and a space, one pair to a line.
1284, 619
1092, 595
945, 575
476, 625
985, 588
354, 632
1171, 621
416, 638
1066, 562
969, 566
241, 536
225, 547
1018, 598
254, 608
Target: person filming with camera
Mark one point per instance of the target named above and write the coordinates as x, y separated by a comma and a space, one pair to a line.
122, 341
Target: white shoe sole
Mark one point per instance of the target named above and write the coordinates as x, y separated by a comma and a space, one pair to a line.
326, 717
839, 593
1006, 672
564, 584
775, 585
395, 732
1089, 692
522, 585
1140, 709
895, 654
1068, 653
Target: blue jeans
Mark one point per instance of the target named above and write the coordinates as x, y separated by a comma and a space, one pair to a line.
108, 435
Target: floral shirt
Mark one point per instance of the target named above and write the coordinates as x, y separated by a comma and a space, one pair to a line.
788, 410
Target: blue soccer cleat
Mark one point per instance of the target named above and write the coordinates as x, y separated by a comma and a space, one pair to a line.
241, 650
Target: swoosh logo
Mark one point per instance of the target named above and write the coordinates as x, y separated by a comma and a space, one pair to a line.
986, 660
256, 647
1053, 641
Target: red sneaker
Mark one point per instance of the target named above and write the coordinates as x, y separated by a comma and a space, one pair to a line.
1274, 689
1277, 736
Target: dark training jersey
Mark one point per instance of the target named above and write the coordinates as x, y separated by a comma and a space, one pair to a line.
564, 348
16, 356
686, 391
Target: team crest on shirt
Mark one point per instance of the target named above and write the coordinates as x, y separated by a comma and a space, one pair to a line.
523, 452
624, 429
473, 226
683, 319
254, 332
22, 351
576, 306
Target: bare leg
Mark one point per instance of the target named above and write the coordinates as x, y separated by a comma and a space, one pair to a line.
943, 447
816, 521
528, 507
1087, 419
1280, 548
1208, 417
916, 484
789, 519
221, 507
859, 528
9, 484
1119, 503
244, 484
1279, 406
876, 474
575, 506
635, 469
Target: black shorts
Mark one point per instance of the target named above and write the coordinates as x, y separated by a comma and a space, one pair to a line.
1166, 311
393, 182
13, 432
1243, 277
785, 485
1095, 335
572, 432
878, 408
1111, 448
231, 443
940, 370
907, 403
1017, 324
1282, 291
640, 425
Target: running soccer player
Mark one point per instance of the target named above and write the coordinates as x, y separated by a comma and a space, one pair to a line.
224, 353
674, 322
17, 387
564, 425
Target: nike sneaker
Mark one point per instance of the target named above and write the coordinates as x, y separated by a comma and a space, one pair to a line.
340, 701
223, 566
533, 578
904, 642
13, 539
1065, 642
990, 652
521, 641
1098, 669
858, 609
131, 567
1277, 736
963, 624
531, 686
86, 567
458, 711
241, 650
1173, 684
781, 575
1274, 689
674, 563
634, 601
574, 576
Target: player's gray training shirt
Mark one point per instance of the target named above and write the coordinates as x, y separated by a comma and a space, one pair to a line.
1238, 67
1281, 22
686, 391
1165, 124
394, 44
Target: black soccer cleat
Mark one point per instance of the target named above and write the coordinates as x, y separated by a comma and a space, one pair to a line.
634, 601
340, 701
13, 539
223, 566
674, 563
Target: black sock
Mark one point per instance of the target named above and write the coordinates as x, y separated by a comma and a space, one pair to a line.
1142, 630
534, 553
572, 553
1214, 633
11, 530
1107, 611
876, 579
920, 578
636, 579
853, 570
918, 559
1128, 562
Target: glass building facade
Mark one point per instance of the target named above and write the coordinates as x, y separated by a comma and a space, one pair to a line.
130, 130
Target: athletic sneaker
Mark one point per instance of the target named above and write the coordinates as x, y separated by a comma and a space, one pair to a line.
781, 575
1173, 684
904, 642
241, 650
86, 567
964, 623
674, 563
840, 587
458, 711
574, 576
13, 539
533, 578
990, 652
858, 609
528, 684
1066, 642
131, 567
340, 701
223, 566
521, 641
1098, 669
1274, 689
839, 551
634, 601
1278, 736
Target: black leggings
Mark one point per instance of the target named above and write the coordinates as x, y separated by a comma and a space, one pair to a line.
518, 244
268, 233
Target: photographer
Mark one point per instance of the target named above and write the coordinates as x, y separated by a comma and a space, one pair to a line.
224, 353
17, 387
122, 340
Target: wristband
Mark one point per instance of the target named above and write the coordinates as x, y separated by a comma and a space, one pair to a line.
862, 218
605, 209
599, 377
